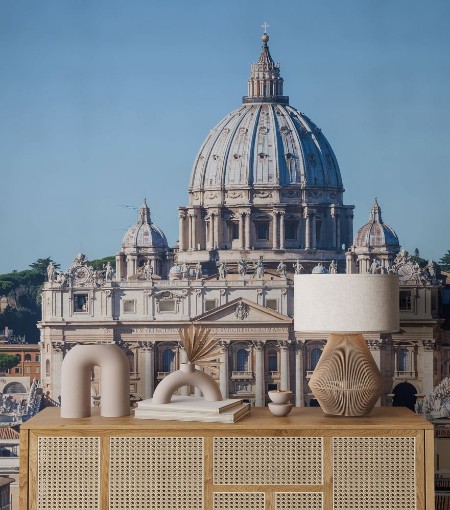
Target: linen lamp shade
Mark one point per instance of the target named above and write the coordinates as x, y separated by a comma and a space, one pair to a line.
346, 303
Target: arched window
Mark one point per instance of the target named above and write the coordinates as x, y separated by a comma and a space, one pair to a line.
14, 387
27, 357
272, 361
404, 360
168, 360
315, 356
242, 360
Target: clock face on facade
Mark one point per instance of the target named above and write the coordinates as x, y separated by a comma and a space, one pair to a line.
81, 274
405, 272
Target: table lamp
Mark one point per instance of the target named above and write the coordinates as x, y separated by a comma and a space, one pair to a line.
346, 380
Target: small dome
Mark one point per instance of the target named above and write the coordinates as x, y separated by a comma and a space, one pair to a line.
319, 269
375, 233
144, 234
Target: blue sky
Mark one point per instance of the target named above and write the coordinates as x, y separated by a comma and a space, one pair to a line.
105, 102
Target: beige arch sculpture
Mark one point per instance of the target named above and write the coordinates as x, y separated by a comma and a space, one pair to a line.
76, 373
186, 376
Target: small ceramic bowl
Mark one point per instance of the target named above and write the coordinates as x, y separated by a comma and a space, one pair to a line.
280, 396
280, 409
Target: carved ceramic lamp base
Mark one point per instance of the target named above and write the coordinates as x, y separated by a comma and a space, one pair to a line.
346, 380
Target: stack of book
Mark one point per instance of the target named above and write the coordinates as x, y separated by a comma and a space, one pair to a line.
193, 409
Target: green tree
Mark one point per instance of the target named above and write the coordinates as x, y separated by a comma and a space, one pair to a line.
444, 262
8, 361
41, 265
99, 263
422, 262
23, 291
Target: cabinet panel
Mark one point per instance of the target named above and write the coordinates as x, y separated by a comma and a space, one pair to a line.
268, 460
298, 500
68, 473
238, 501
374, 473
156, 473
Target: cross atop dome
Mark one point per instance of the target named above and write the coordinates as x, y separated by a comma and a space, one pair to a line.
265, 84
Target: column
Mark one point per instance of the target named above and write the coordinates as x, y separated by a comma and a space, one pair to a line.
308, 231
247, 231
275, 230
338, 231
395, 349
181, 218
374, 345
184, 390
260, 393
299, 373
209, 233
212, 228
284, 364
147, 367
224, 375
281, 230
313, 232
241, 230
333, 229
194, 233
190, 231
55, 374
428, 366
217, 232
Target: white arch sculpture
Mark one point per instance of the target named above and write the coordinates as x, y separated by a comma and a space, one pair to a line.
76, 373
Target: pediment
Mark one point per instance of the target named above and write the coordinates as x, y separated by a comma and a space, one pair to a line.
243, 311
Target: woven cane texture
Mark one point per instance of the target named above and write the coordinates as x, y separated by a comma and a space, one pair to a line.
374, 473
267, 460
238, 501
298, 500
68, 473
156, 473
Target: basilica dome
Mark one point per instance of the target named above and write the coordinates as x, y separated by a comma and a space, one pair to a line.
266, 183
144, 234
375, 233
266, 143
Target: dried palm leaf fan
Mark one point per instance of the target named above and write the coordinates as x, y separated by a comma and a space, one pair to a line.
201, 349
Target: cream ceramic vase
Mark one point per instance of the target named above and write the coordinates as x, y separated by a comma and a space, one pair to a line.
188, 375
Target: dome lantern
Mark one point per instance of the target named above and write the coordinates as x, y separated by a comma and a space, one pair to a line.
265, 84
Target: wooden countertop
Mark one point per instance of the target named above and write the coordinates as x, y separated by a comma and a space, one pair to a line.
305, 418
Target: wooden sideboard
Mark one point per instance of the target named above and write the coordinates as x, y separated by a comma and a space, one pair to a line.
304, 461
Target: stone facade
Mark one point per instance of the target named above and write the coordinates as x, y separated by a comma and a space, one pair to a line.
265, 202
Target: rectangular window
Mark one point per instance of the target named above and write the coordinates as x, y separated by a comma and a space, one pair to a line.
405, 300
17, 370
129, 306
80, 303
27, 370
290, 230
37, 370
210, 304
234, 231
272, 304
168, 305
37, 357
262, 231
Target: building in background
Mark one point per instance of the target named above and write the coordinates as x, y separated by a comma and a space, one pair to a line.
265, 202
